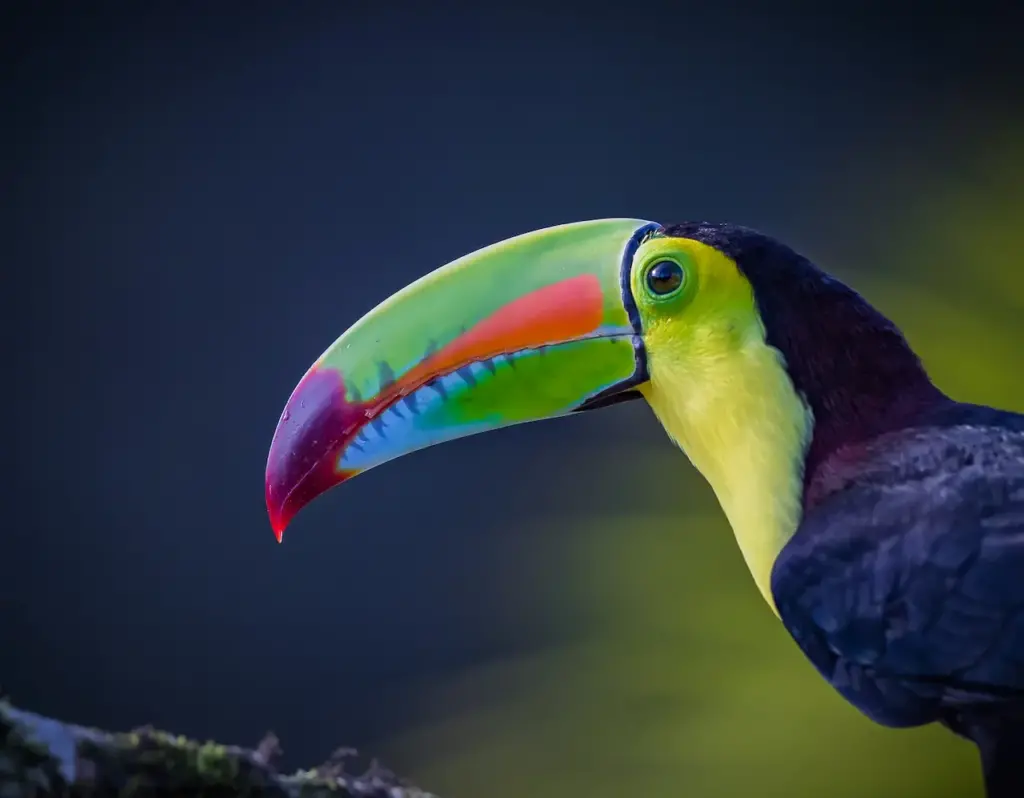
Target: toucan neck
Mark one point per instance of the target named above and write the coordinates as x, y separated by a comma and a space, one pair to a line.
745, 428
850, 422
858, 375
852, 365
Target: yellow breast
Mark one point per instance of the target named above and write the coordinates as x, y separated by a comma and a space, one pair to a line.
724, 396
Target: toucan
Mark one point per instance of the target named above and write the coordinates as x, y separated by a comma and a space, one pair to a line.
881, 519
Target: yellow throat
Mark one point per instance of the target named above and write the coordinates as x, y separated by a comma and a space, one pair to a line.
724, 396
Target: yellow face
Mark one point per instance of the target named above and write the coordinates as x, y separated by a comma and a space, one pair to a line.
722, 393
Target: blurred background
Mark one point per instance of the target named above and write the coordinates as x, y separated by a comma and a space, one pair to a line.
201, 197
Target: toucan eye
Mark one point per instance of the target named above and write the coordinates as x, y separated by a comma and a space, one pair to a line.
664, 277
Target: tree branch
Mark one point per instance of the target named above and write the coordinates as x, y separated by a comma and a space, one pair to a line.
40, 756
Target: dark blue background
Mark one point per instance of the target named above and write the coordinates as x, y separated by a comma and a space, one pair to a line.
202, 196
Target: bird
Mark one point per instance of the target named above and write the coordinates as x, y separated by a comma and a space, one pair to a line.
881, 519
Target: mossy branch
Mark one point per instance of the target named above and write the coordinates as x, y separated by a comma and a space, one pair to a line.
40, 756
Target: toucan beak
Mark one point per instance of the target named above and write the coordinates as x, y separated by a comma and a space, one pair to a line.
538, 326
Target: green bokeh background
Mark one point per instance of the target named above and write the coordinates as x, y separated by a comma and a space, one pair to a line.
667, 674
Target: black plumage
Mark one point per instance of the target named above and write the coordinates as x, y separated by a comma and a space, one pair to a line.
904, 585
904, 582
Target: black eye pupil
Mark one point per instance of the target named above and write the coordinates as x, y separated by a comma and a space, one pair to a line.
664, 277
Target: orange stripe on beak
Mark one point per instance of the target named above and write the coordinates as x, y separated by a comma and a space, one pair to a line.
555, 313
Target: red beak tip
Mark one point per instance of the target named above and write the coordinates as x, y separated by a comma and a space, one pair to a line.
278, 523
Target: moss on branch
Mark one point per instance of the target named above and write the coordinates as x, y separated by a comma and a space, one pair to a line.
40, 757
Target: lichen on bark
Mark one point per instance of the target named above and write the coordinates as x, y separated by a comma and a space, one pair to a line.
40, 756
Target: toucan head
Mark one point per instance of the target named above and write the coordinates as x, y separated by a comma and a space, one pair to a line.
722, 330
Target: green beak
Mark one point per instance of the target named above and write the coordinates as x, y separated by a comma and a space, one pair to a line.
538, 326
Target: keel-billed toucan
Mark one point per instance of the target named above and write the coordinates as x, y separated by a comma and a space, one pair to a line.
882, 521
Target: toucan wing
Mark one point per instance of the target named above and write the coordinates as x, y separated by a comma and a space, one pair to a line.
906, 588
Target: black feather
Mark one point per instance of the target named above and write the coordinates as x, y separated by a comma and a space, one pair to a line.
904, 584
